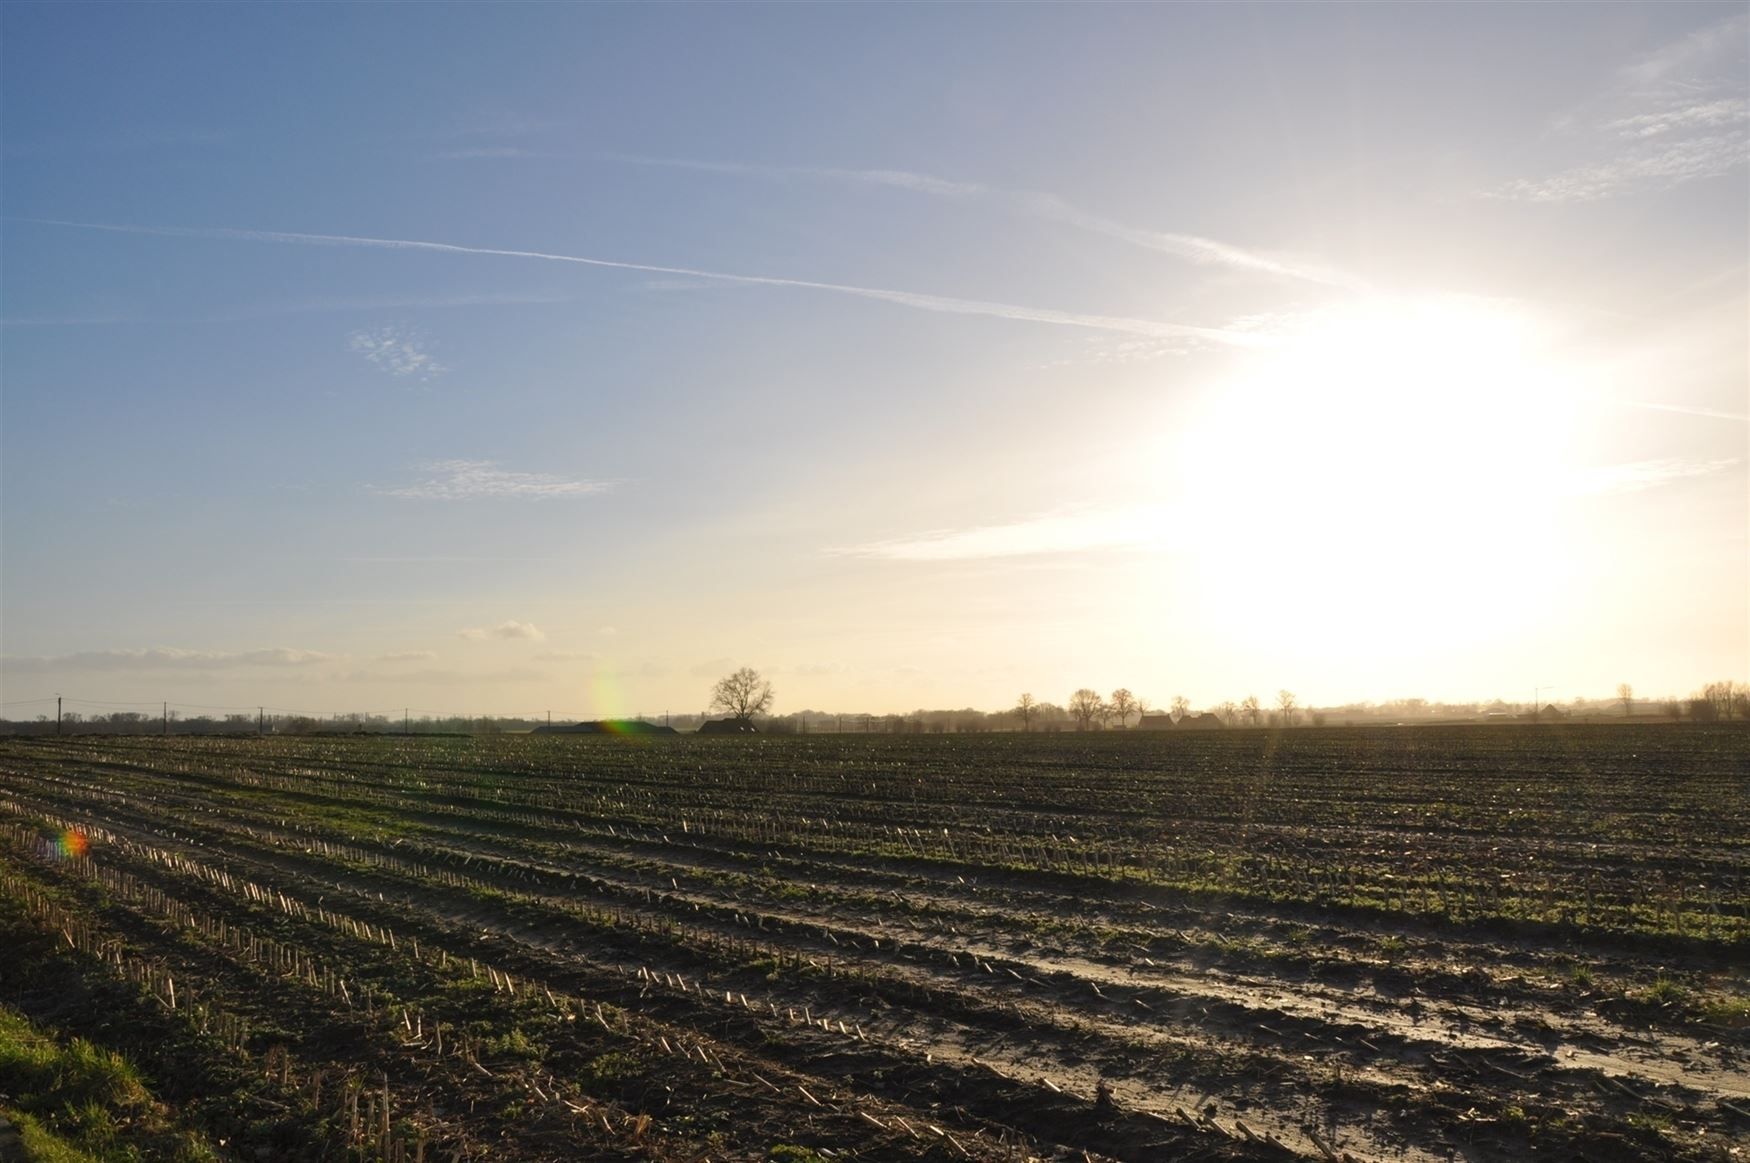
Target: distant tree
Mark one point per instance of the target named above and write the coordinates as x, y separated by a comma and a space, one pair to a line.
1025, 706
1673, 709
1123, 705
1702, 710
1253, 712
1286, 704
1626, 693
1728, 699
1181, 706
742, 695
1085, 707
1228, 712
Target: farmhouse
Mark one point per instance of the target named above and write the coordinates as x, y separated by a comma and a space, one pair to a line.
728, 727
1161, 722
1207, 721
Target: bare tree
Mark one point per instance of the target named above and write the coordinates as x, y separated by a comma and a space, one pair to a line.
1229, 712
742, 695
1025, 706
1254, 713
1285, 702
1626, 693
1085, 707
1181, 707
1123, 704
1726, 697
1673, 709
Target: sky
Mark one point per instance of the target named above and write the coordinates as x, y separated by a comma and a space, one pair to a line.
499, 359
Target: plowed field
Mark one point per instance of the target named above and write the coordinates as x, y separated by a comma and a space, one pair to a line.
1419, 943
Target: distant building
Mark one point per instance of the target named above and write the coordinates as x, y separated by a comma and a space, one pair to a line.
728, 727
1207, 721
1161, 722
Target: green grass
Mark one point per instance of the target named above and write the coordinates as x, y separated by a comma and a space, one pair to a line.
74, 1101
42, 1145
1664, 991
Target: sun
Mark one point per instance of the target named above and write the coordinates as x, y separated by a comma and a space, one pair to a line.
1388, 462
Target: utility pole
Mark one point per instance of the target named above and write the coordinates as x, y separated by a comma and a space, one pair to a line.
57, 714
261, 720
166, 718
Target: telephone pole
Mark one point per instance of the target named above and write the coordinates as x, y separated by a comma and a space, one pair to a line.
57, 714
166, 718
261, 720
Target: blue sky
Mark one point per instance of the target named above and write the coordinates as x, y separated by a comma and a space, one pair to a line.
939, 353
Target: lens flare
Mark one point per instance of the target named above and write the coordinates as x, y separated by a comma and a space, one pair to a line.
70, 844
606, 702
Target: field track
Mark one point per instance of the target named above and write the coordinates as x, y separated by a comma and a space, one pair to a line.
1481, 943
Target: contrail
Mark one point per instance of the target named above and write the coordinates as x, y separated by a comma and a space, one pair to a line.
922, 302
1204, 251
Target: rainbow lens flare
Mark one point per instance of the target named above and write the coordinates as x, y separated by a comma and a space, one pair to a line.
70, 844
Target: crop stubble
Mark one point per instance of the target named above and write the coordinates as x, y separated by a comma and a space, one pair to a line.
1412, 943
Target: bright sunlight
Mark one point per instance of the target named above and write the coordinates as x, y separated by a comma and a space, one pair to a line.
1396, 458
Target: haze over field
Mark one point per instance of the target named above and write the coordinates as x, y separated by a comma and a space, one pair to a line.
495, 358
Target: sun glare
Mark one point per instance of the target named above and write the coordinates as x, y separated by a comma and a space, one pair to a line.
1383, 460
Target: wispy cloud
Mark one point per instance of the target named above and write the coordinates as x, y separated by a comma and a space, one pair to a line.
476, 679
919, 301
428, 558
494, 123
1681, 60
377, 303
141, 141
396, 350
491, 151
1690, 410
1678, 115
1058, 531
565, 656
1204, 251
67, 320
337, 305
1637, 476
466, 480
1700, 115
1665, 165
408, 656
510, 630
167, 658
